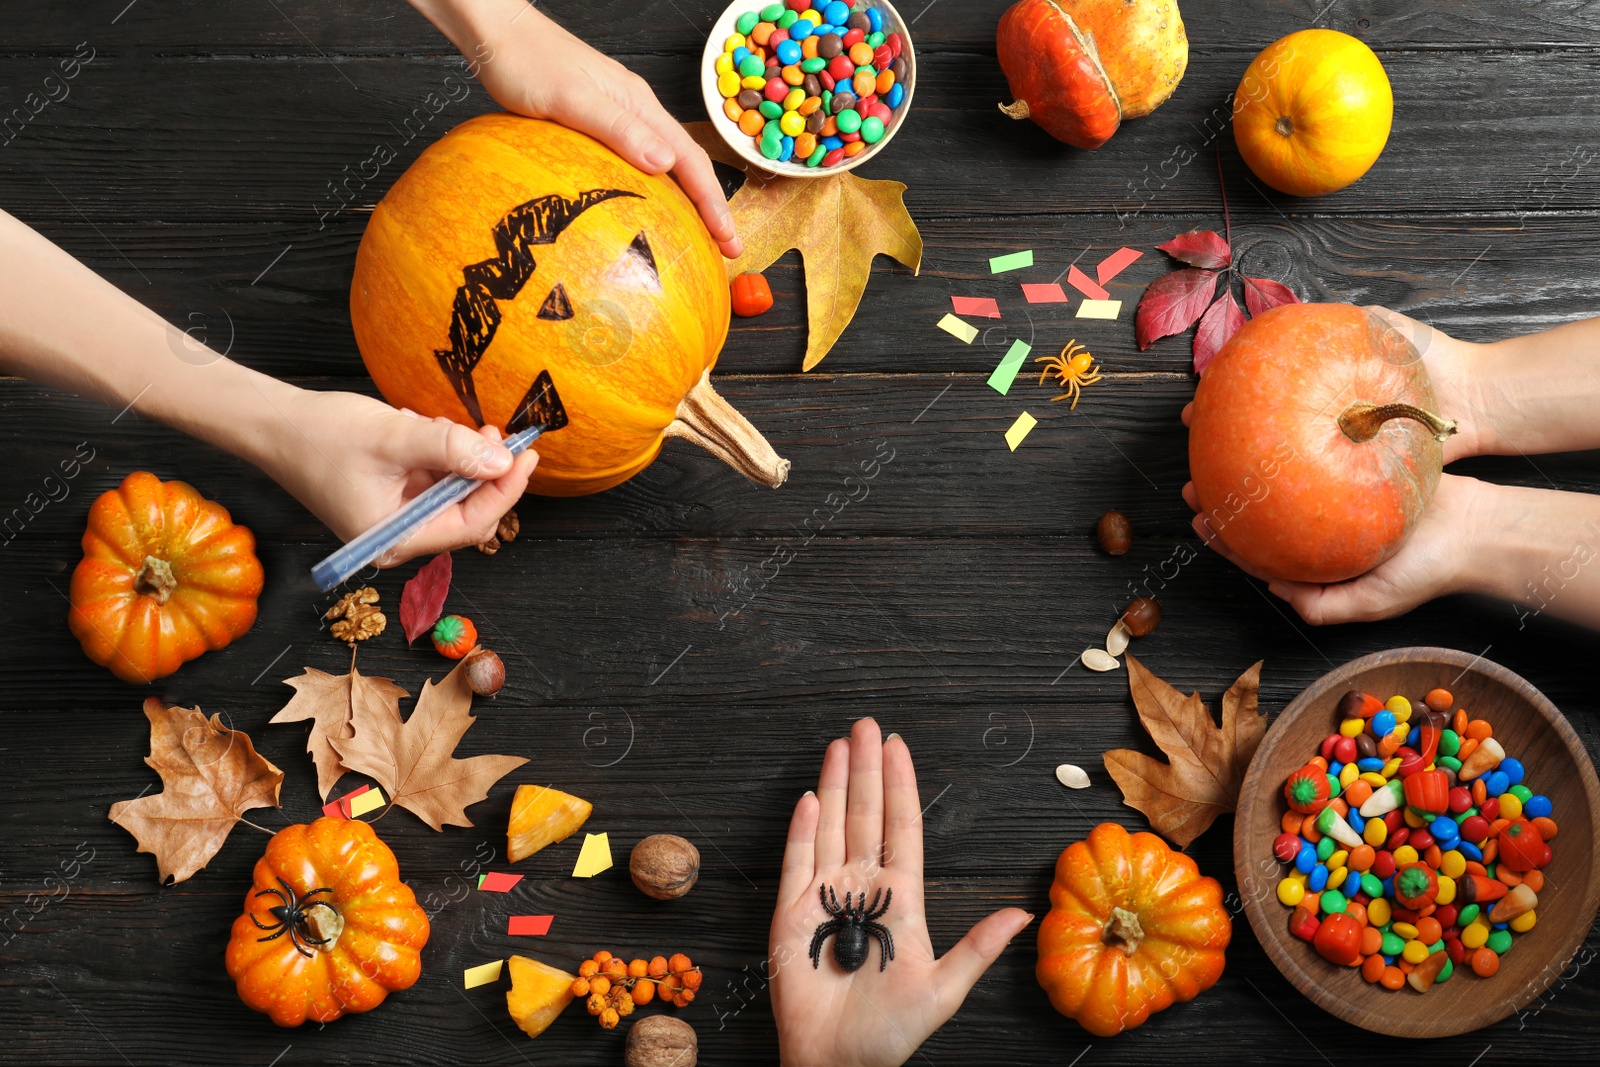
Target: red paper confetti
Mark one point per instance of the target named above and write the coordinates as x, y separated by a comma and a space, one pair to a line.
340, 809
983, 307
528, 925
1085, 285
499, 882
1115, 264
1046, 293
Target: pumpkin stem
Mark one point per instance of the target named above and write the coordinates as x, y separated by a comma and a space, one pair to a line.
325, 924
1361, 421
155, 579
713, 424
1123, 928
1017, 109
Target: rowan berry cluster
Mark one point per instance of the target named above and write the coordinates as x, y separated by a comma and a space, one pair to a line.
612, 987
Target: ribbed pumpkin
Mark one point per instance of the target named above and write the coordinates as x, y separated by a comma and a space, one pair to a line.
165, 576
514, 246
1133, 927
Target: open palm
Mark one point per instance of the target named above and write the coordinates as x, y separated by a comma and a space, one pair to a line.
861, 832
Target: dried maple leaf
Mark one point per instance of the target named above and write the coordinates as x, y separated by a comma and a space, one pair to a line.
422, 599
328, 700
837, 224
1182, 798
1220, 322
414, 762
210, 776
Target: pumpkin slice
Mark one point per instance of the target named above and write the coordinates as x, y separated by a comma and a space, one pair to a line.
542, 816
538, 993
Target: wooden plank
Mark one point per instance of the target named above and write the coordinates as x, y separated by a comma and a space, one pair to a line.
275, 134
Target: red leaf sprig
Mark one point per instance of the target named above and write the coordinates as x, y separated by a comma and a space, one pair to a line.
1174, 302
422, 599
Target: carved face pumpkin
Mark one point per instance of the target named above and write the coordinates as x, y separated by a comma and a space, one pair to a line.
515, 246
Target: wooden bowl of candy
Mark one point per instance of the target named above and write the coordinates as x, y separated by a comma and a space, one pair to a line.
808, 88
1437, 869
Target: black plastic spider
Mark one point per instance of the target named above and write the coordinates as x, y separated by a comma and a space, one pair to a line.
853, 924
291, 916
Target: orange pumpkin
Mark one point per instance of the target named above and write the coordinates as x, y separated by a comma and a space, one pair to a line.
1313, 112
1133, 927
165, 576
514, 246
328, 926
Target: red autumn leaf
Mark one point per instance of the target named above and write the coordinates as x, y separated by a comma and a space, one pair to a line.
422, 600
1199, 248
1263, 294
1220, 322
1172, 303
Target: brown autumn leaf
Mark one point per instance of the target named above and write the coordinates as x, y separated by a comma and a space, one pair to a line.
1183, 797
210, 777
837, 223
414, 761
327, 700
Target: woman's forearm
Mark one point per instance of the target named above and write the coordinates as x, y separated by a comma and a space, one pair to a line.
63, 325
1539, 549
1539, 393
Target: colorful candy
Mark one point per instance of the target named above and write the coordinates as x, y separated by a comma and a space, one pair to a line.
812, 82
1413, 846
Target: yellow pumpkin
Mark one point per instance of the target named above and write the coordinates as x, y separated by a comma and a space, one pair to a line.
1312, 113
514, 247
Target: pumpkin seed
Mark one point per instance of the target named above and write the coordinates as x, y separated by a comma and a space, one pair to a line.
1117, 639
1098, 659
1072, 777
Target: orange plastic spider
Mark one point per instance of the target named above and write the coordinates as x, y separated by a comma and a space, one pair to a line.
1074, 366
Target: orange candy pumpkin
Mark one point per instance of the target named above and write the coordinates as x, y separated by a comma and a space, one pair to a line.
328, 926
1133, 927
515, 246
751, 294
1313, 112
1079, 67
165, 576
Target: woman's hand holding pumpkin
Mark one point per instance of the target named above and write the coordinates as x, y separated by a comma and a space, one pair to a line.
531, 66
861, 833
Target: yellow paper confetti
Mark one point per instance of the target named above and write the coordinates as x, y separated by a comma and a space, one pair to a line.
595, 857
1099, 309
961, 331
483, 974
371, 800
1020, 429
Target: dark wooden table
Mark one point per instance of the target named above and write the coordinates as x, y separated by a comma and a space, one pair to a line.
191, 164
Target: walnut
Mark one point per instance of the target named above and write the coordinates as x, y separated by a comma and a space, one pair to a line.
358, 616
662, 1041
664, 866
489, 547
510, 526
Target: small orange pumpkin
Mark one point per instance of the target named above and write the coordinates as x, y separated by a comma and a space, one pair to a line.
328, 926
514, 246
1313, 112
165, 576
1133, 927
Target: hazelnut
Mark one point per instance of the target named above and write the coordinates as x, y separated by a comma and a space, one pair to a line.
664, 866
662, 1041
485, 673
1115, 533
1142, 615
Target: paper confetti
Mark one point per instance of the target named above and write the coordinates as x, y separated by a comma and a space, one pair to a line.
1020, 429
483, 974
1014, 261
1006, 373
1115, 264
1044, 293
983, 307
595, 857
340, 809
367, 800
528, 925
1099, 309
961, 331
1085, 285
498, 882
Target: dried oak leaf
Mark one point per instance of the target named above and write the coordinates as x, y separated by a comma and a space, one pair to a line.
414, 762
357, 615
422, 599
1183, 797
328, 701
837, 224
210, 777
